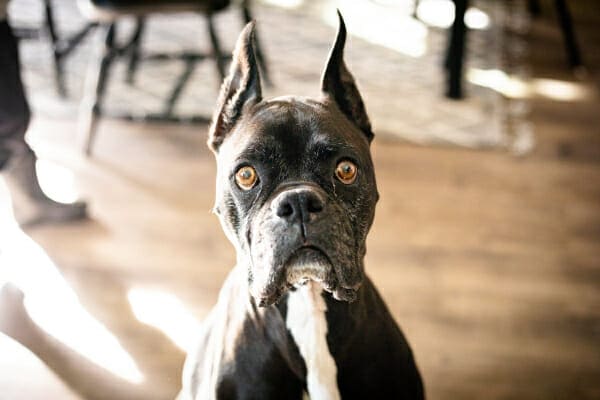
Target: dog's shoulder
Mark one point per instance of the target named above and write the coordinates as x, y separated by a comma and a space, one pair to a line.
201, 369
370, 345
242, 349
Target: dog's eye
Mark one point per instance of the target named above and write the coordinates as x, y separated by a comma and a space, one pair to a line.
346, 172
246, 177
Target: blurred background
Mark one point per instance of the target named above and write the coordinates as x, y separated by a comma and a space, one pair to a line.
486, 239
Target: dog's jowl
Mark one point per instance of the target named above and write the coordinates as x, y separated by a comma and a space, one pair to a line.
296, 195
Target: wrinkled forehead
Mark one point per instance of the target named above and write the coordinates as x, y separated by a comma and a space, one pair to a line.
292, 128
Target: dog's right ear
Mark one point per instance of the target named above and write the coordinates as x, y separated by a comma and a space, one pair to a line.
240, 89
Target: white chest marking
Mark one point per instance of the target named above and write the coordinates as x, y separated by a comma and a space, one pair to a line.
308, 326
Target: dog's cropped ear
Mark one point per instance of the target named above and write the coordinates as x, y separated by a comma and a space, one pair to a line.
338, 83
240, 89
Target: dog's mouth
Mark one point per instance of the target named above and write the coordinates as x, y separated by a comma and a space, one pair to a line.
308, 263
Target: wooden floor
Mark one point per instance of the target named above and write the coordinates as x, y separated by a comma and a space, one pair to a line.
489, 262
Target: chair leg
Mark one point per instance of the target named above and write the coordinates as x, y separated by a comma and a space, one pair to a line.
134, 56
566, 24
456, 51
58, 65
534, 8
91, 104
190, 65
415, 9
262, 62
217, 53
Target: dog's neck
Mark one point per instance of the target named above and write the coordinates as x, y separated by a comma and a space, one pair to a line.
307, 323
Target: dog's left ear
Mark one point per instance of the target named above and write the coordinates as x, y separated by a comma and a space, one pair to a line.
338, 83
240, 89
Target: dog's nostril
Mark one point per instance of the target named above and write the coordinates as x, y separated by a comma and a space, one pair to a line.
284, 209
299, 206
314, 205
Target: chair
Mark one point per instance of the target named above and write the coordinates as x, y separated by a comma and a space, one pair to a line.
455, 50
106, 15
566, 25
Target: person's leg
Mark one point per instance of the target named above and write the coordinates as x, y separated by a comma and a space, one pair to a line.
17, 160
14, 110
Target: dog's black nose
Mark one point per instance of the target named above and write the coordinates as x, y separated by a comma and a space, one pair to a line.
299, 205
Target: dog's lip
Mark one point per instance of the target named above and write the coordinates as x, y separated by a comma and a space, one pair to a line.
330, 283
339, 290
310, 246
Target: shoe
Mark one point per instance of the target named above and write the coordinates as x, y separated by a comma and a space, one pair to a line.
31, 206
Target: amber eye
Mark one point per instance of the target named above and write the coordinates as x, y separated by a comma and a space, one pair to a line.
346, 172
246, 177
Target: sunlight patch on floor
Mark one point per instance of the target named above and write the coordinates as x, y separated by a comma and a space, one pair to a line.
167, 313
440, 14
52, 304
514, 87
383, 25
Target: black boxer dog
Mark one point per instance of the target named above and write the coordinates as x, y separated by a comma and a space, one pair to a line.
296, 196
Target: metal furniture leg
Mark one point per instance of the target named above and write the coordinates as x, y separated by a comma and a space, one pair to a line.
566, 25
190, 65
216, 46
58, 65
262, 62
533, 6
456, 51
62, 47
95, 90
415, 9
134, 56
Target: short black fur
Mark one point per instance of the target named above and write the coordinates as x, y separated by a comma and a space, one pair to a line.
294, 145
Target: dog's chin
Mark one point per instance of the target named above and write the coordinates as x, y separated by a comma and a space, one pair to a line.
307, 264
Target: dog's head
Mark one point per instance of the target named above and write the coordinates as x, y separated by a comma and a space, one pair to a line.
296, 191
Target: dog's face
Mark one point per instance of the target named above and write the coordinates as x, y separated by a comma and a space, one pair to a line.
296, 191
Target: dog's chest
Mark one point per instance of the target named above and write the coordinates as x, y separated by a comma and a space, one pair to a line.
308, 325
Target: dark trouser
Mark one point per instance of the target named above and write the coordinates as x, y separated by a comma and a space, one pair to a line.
14, 110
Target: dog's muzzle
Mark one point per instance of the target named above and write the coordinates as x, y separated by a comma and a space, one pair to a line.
299, 237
